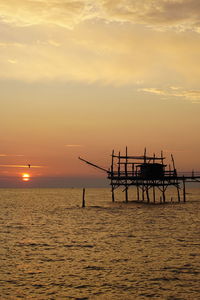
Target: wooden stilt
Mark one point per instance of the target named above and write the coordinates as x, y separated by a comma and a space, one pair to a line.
126, 174
154, 194
174, 167
113, 194
83, 198
163, 188
178, 193
132, 169
119, 165
138, 193
184, 193
163, 194
126, 170
145, 153
143, 193
147, 193
126, 194
112, 174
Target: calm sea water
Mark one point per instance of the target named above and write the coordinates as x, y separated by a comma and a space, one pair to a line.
51, 248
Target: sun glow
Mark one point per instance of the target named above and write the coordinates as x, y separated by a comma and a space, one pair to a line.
25, 177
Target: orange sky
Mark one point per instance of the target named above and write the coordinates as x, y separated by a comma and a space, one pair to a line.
79, 78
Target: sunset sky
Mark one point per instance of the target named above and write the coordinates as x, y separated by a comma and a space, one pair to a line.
79, 78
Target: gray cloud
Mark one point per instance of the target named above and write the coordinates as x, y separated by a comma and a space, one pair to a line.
163, 12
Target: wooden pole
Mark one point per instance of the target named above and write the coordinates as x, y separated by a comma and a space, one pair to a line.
174, 167
126, 193
154, 194
184, 194
119, 166
112, 163
143, 193
163, 193
163, 183
147, 193
138, 193
126, 174
83, 198
113, 194
176, 180
126, 170
179, 198
132, 169
145, 153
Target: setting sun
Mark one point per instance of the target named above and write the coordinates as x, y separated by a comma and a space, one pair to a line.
25, 177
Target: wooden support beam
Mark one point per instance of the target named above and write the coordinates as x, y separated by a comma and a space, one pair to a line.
147, 193
138, 193
119, 165
83, 198
163, 194
113, 194
143, 193
174, 167
178, 193
184, 193
112, 163
126, 194
125, 166
163, 187
154, 194
132, 169
145, 155
126, 174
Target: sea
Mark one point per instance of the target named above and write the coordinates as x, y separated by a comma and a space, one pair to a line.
52, 248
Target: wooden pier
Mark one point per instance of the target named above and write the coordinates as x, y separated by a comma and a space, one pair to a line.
149, 174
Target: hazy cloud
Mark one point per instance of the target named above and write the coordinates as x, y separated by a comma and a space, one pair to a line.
33, 12
12, 61
154, 91
67, 13
184, 13
19, 166
73, 146
103, 50
107, 54
10, 155
192, 95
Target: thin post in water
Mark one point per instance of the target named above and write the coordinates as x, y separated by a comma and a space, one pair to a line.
83, 198
184, 193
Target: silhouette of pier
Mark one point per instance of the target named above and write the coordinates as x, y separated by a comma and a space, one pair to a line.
149, 174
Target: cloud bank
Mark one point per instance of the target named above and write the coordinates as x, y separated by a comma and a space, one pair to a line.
192, 95
179, 13
106, 41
